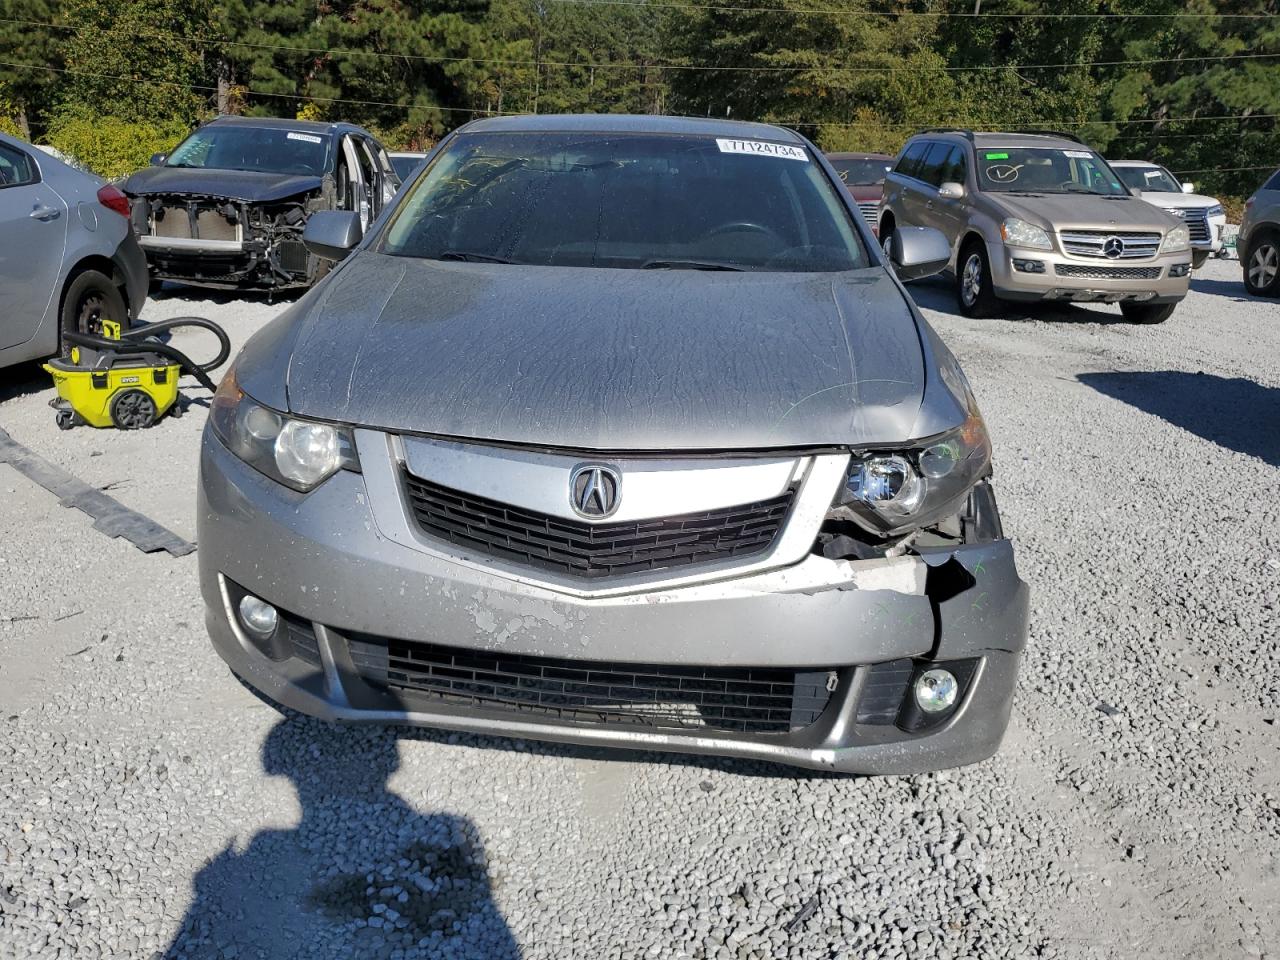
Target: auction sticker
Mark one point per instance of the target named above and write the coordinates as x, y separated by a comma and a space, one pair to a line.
1079, 154
762, 148
309, 137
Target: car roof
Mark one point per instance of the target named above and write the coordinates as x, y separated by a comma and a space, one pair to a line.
984, 139
1134, 163
631, 123
283, 123
858, 156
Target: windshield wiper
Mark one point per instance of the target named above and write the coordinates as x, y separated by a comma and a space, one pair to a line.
468, 257
687, 265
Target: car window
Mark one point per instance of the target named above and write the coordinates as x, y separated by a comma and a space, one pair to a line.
931, 167
16, 168
1045, 170
911, 158
861, 172
1274, 182
253, 148
405, 166
627, 201
1152, 179
953, 170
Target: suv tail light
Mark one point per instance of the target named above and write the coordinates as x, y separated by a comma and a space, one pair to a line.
112, 198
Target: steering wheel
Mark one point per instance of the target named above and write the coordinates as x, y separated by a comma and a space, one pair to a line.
739, 226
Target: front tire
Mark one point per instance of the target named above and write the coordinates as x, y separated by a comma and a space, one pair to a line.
1262, 265
1147, 312
89, 299
974, 289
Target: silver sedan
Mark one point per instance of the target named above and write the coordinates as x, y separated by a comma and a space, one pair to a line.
68, 257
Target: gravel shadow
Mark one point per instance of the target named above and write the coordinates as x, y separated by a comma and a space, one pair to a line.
1225, 288
1234, 413
23, 379
938, 293
362, 868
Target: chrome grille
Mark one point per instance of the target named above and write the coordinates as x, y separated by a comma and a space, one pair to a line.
869, 209
1092, 243
594, 550
1106, 273
1197, 221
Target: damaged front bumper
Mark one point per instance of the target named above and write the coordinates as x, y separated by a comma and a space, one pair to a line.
366, 615
225, 243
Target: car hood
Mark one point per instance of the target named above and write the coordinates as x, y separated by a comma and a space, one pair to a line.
1075, 211
247, 185
1178, 201
604, 359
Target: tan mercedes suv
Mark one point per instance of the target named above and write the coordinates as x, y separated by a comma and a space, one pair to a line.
1037, 216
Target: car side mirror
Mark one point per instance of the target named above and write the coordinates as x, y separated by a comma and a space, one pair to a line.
331, 234
1135, 192
158, 159
1188, 188
917, 252
951, 191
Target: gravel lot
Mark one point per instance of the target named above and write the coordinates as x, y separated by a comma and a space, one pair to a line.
151, 806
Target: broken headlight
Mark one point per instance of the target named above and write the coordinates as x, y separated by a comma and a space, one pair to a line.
892, 492
297, 453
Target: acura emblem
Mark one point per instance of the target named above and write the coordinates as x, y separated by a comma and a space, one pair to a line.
1113, 247
594, 490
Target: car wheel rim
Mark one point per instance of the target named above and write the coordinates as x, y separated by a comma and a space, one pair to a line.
1264, 266
885, 244
971, 279
89, 317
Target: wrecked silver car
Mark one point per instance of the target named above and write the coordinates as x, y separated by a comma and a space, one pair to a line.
227, 207
617, 431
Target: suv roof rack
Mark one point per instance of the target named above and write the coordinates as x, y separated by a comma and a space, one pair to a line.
963, 131
1052, 133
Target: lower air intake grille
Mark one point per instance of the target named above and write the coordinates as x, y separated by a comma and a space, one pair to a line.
1106, 273
748, 700
292, 255
596, 550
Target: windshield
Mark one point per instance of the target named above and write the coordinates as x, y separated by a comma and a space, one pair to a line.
862, 172
629, 201
1150, 179
1044, 171
262, 149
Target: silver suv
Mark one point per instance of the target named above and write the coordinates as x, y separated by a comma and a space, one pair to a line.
1259, 240
1037, 217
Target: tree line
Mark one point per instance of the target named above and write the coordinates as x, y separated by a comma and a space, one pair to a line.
1194, 84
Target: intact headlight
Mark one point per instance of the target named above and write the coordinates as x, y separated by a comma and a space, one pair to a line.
1215, 211
297, 453
1019, 233
906, 489
1177, 239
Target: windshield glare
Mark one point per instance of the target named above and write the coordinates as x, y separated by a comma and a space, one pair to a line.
862, 172
1042, 170
627, 201
1150, 179
261, 149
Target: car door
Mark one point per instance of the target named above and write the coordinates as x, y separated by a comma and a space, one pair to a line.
358, 170
922, 204
949, 214
388, 179
901, 187
33, 235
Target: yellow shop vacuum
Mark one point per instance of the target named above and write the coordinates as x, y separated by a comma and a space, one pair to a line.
128, 379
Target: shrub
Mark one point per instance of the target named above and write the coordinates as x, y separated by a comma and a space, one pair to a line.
109, 146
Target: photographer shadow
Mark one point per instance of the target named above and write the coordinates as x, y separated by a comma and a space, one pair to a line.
362, 874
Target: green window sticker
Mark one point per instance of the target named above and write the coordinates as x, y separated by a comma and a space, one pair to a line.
997, 156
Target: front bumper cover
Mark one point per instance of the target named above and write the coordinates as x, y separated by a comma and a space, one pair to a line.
322, 558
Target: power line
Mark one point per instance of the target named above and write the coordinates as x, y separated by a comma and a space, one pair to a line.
1222, 170
957, 15
1032, 125
625, 65
254, 93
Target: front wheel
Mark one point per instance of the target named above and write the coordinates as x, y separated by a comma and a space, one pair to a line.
1262, 265
1147, 312
973, 284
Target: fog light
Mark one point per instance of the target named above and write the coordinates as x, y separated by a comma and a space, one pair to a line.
936, 690
1029, 266
1179, 269
261, 617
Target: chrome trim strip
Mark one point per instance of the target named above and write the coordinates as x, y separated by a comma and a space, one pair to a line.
382, 456
648, 488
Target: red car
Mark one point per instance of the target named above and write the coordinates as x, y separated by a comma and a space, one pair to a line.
863, 174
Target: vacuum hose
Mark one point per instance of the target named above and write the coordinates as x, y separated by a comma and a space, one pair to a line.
142, 340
